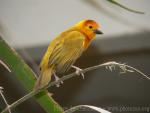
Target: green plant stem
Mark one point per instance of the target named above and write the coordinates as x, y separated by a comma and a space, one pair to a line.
26, 77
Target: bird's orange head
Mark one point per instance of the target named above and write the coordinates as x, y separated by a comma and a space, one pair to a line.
89, 28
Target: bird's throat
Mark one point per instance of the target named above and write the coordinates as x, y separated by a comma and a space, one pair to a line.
87, 41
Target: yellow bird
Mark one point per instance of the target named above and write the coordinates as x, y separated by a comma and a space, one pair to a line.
65, 49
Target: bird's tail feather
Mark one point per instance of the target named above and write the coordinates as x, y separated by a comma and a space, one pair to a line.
43, 79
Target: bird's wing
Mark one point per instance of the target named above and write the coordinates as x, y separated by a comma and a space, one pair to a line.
66, 51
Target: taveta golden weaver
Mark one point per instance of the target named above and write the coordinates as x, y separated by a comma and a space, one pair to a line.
65, 49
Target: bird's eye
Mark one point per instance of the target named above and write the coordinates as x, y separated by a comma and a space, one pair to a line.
90, 27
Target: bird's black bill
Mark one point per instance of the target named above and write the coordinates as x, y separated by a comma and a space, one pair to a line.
98, 31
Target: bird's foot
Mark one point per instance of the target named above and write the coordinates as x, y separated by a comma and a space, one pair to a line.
78, 71
56, 79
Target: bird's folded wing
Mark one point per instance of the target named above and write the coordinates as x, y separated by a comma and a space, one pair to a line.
66, 51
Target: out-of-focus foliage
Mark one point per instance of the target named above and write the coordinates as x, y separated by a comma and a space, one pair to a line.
125, 7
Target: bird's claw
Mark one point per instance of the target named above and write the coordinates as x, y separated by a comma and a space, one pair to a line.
56, 79
78, 71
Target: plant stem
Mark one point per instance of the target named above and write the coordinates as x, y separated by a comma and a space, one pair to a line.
26, 77
1, 62
3, 97
108, 64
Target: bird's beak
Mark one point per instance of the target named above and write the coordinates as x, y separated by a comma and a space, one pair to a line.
96, 31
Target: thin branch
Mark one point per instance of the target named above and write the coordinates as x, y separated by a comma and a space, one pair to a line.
3, 97
1, 62
110, 65
124, 7
136, 70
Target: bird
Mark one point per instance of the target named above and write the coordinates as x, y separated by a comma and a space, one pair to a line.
65, 49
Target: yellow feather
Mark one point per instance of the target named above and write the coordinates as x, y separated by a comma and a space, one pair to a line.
64, 50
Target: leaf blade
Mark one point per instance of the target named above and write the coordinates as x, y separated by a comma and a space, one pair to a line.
125, 7
26, 77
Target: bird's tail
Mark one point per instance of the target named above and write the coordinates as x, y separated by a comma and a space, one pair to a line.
44, 78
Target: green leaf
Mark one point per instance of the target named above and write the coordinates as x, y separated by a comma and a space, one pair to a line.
26, 77
124, 7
